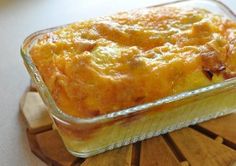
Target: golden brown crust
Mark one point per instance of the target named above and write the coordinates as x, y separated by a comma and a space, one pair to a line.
107, 64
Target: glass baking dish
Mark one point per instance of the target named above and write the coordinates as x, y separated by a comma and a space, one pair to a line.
85, 137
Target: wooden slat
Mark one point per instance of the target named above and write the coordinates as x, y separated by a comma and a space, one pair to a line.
53, 148
117, 157
35, 147
155, 151
201, 150
136, 154
35, 112
223, 126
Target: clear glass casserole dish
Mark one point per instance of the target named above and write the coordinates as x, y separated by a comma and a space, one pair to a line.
85, 137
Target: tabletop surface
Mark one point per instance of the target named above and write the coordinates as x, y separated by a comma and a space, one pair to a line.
17, 20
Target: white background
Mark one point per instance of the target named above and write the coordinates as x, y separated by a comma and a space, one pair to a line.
19, 18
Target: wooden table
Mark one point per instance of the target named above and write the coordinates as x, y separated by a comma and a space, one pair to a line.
17, 20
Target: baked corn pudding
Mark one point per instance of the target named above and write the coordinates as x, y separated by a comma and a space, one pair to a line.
165, 67
110, 63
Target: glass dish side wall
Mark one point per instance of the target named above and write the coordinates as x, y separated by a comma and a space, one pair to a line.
84, 140
86, 137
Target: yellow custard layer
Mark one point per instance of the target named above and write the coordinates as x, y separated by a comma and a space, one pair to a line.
109, 63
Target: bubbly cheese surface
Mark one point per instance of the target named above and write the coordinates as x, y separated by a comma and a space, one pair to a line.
110, 63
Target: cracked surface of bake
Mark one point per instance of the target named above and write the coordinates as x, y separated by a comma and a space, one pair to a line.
110, 63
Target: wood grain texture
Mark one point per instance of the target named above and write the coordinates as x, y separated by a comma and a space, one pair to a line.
155, 151
201, 150
136, 148
34, 146
224, 126
117, 157
35, 112
53, 148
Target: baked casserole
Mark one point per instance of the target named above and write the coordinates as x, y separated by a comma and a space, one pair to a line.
114, 80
